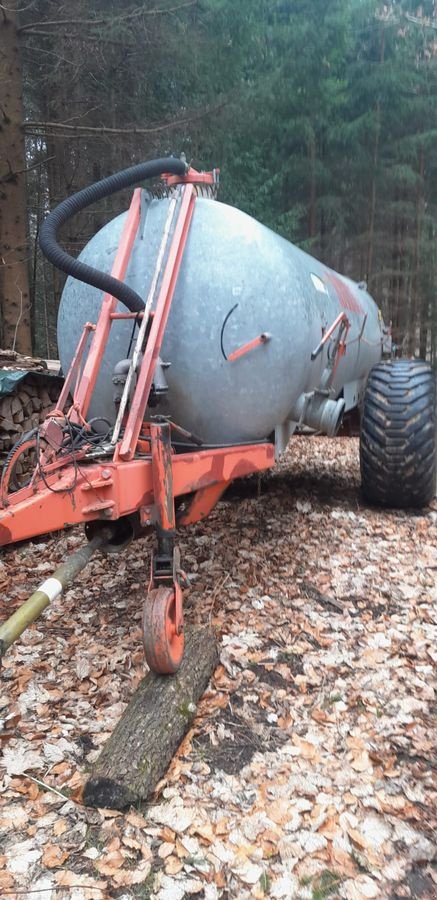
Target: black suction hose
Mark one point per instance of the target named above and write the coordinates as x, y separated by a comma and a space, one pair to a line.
48, 236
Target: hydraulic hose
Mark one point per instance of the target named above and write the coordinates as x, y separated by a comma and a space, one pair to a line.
48, 238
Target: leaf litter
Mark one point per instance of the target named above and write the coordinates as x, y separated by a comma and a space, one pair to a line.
308, 771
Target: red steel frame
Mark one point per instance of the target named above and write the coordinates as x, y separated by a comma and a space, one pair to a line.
163, 304
75, 491
109, 490
91, 369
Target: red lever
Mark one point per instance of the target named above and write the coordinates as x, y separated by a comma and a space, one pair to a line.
251, 345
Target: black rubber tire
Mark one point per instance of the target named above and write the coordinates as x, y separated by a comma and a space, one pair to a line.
398, 435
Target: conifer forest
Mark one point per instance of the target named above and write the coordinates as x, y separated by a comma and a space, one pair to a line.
321, 116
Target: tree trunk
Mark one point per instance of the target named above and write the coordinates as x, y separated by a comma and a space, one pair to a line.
148, 734
403, 293
417, 304
370, 245
14, 272
312, 226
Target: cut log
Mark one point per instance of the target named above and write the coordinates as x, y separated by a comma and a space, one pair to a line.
9, 425
12, 359
16, 405
8, 356
19, 415
6, 408
45, 397
150, 730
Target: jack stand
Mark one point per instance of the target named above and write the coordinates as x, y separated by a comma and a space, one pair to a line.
163, 621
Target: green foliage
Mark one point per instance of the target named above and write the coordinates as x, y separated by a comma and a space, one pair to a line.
324, 885
265, 883
321, 116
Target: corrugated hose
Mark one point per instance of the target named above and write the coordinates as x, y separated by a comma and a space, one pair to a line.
48, 238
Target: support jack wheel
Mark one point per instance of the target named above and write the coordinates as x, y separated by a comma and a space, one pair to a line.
163, 646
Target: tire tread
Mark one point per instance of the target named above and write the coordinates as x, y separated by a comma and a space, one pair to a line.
398, 434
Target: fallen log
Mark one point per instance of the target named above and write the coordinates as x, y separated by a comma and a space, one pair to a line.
139, 751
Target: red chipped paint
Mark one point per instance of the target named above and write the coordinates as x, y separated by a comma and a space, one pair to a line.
345, 296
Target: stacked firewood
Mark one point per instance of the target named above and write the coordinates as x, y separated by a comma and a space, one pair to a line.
11, 359
31, 399
25, 409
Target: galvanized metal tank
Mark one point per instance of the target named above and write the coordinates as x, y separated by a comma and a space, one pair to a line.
237, 280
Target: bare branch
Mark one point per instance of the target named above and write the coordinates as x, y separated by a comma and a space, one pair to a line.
18, 8
55, 127
83, 37
135, 13
11, 176
57, 56
419, 20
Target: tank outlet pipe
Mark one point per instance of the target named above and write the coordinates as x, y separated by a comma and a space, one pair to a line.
119, 378
49, 590
317, 411
48, 236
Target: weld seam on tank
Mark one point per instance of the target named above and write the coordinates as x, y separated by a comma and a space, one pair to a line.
48, 239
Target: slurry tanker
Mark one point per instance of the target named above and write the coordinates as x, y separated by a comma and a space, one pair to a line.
194, 342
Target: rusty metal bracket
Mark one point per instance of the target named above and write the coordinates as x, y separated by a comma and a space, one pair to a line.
341, 320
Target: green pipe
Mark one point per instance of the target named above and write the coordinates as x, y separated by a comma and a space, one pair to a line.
48, 591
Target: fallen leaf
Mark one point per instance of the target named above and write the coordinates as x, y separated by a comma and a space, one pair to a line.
95, 890
19, 759
134, 818
6, 881
110, 862
173, 865
174, 816
362, 762
307, 749
165, 850
126, 877
83, 668
53, 856
363, 888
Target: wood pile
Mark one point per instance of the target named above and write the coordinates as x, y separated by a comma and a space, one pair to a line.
11, 359
25, 409
31, 399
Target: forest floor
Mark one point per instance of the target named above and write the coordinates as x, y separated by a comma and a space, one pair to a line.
307, 772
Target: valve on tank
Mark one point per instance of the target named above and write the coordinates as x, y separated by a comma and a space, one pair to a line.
119, 379
120, 375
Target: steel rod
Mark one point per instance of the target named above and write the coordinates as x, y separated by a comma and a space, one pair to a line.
147, 309
49, 590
